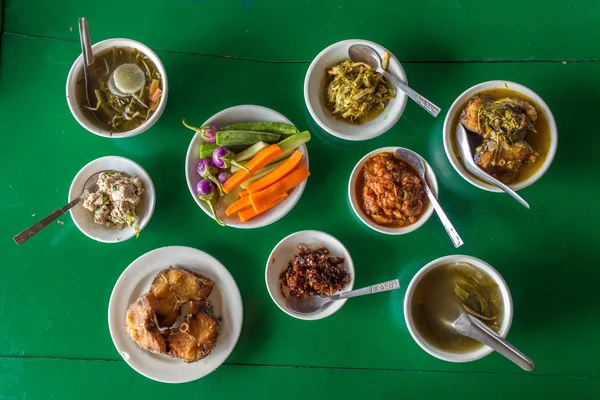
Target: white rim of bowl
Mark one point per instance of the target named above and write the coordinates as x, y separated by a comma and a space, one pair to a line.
479, 352
321, 313
431, 181
77, 68
151, 201
240, 225
449, 130
400, 96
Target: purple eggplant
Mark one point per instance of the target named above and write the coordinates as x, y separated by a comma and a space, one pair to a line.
207, 169
207, 132
205, 190
223, 158
223, 176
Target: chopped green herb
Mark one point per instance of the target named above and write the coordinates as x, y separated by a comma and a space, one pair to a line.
356, 91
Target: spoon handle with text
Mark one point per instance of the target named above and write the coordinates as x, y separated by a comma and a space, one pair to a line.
380, 287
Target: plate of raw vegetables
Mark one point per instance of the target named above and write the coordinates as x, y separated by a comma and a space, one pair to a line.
247, 166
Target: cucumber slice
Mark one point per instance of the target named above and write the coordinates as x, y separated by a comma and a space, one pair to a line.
250, 151
230, 198
293, 142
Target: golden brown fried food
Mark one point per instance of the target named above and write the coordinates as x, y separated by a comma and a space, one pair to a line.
503, 160
470, 115
173, 287
142, 326
197, 336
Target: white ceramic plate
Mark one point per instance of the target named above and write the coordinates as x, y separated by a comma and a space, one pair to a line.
315, 99
233, 115
429, 176
136, 280
450, 136
282, 255
84, 219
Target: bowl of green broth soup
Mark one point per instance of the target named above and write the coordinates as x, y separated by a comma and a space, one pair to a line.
127, 86
444, 288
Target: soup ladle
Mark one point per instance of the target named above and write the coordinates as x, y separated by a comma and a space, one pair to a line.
467, 143
468, 325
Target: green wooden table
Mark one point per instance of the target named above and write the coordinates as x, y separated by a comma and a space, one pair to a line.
54, 290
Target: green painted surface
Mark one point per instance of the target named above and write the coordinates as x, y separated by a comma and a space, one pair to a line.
299, 29
54, 290
71, 379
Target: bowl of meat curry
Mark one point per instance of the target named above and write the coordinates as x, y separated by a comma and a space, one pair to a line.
516, 131
387, 194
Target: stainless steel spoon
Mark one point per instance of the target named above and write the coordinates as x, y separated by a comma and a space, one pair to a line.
469, 326
88, 55
467, 143
417, 162
368, 55
90, 186
311, 304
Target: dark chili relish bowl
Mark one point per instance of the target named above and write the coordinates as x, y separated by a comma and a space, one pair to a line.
309, 263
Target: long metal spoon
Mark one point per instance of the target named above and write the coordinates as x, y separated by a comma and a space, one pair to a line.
467, 143
88, 55
469, 326
311, 304
90, 186
368, 55
417, 162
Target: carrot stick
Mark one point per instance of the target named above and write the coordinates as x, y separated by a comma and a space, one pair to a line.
153, 87
155, 96
250, 213
261, 160
244, 193
278, 174
264, 197
240, 204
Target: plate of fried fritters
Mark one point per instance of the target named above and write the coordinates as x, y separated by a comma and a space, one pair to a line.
175, 314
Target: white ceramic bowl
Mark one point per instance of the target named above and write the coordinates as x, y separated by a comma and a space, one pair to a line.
136, 280
314, 96
450, 128
84, 219
479, 352
233, 115
283, 253
76, 104
354, 202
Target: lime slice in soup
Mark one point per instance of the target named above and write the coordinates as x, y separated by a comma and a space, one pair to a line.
129, 78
